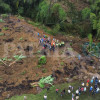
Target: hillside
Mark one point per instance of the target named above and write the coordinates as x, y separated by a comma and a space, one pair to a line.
21, 38
49, 44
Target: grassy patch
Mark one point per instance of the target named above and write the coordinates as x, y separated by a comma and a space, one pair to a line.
53, 96
4, 15
2, 21
20, 17
21, 38
40, 26
1, 78
5, 28
2, 34
62, 63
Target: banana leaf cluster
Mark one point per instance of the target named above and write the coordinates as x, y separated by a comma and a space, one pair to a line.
46, 80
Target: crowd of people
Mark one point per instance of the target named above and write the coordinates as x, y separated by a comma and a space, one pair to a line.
90, 86
47, 42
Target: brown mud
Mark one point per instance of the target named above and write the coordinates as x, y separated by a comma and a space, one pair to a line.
16, 79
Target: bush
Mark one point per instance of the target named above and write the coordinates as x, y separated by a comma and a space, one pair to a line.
4, 8
86, 13
42, 60
20, 10
56, 29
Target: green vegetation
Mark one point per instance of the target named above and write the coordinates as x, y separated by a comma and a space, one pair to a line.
1, 21
2, 34
62, 63
46, 80
42, 60
5, 28
51, 94
23, 73
17, 58
44, 70
90, 41
21, 38
38, 66
4, 7
4, 15
1, 78
92, 14
54, 19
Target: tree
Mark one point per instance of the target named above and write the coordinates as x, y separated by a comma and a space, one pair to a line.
86, 13
4, 8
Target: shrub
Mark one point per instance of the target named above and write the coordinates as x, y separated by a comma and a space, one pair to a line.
4, 8
20, 10
86, 13
42, 60
56, 29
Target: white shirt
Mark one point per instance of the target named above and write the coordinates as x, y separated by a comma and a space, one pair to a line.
77, 91
84, 88
98, 89
82, 84
45, 97
69, 91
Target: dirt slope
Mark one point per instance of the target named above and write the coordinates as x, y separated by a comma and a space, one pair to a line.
62, 63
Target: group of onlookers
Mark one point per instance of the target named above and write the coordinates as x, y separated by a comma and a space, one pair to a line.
90, 86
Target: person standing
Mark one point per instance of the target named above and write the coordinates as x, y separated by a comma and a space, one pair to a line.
57, 90
73, 96
45, 97
64, 91
84, 89
38, 34
91, 88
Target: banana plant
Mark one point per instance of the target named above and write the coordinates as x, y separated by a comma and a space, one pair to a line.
43, 81
46, 80
17, 58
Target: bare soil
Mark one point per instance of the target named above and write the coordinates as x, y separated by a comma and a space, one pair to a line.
16, 79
